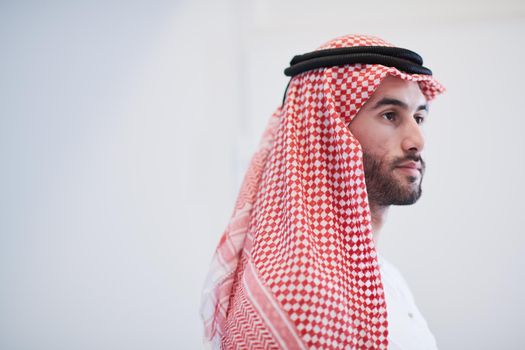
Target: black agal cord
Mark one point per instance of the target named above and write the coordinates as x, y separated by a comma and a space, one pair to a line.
402, 59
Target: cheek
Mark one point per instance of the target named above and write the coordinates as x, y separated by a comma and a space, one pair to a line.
374, 142
375, 137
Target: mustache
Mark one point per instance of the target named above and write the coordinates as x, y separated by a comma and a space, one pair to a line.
410, 157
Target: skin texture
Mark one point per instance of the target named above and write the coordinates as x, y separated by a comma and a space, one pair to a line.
388, 127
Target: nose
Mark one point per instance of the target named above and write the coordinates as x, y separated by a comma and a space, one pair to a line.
413, 138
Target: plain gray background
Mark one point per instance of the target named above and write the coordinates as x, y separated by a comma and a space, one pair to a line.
126, 127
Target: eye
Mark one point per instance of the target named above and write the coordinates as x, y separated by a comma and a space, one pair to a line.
419, 119
390, 116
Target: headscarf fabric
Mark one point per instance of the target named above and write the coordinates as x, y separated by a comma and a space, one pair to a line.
296, 267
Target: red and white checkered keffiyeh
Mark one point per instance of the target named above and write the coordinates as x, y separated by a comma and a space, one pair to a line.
296, 267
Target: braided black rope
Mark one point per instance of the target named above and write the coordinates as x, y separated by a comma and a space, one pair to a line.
402, 59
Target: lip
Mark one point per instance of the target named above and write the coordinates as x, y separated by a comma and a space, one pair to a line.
411, 165
409, 170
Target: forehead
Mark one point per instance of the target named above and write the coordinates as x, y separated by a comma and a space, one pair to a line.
406, 91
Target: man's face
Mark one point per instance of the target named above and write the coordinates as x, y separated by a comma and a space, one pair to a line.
388, 127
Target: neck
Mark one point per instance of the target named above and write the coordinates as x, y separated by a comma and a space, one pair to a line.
378, 213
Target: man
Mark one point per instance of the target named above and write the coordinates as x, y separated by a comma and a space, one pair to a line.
297, 267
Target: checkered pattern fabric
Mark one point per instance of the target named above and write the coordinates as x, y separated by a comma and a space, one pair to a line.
296, 267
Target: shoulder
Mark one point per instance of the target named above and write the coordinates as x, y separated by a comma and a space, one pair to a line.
391, 275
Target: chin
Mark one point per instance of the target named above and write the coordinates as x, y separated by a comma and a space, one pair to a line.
409, 200
410, 196
409, 191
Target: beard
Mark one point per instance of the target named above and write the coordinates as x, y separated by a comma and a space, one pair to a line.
385, 187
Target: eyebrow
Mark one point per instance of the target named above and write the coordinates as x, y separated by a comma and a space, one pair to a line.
388, 101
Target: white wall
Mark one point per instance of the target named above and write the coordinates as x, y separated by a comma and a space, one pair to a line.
125, 128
